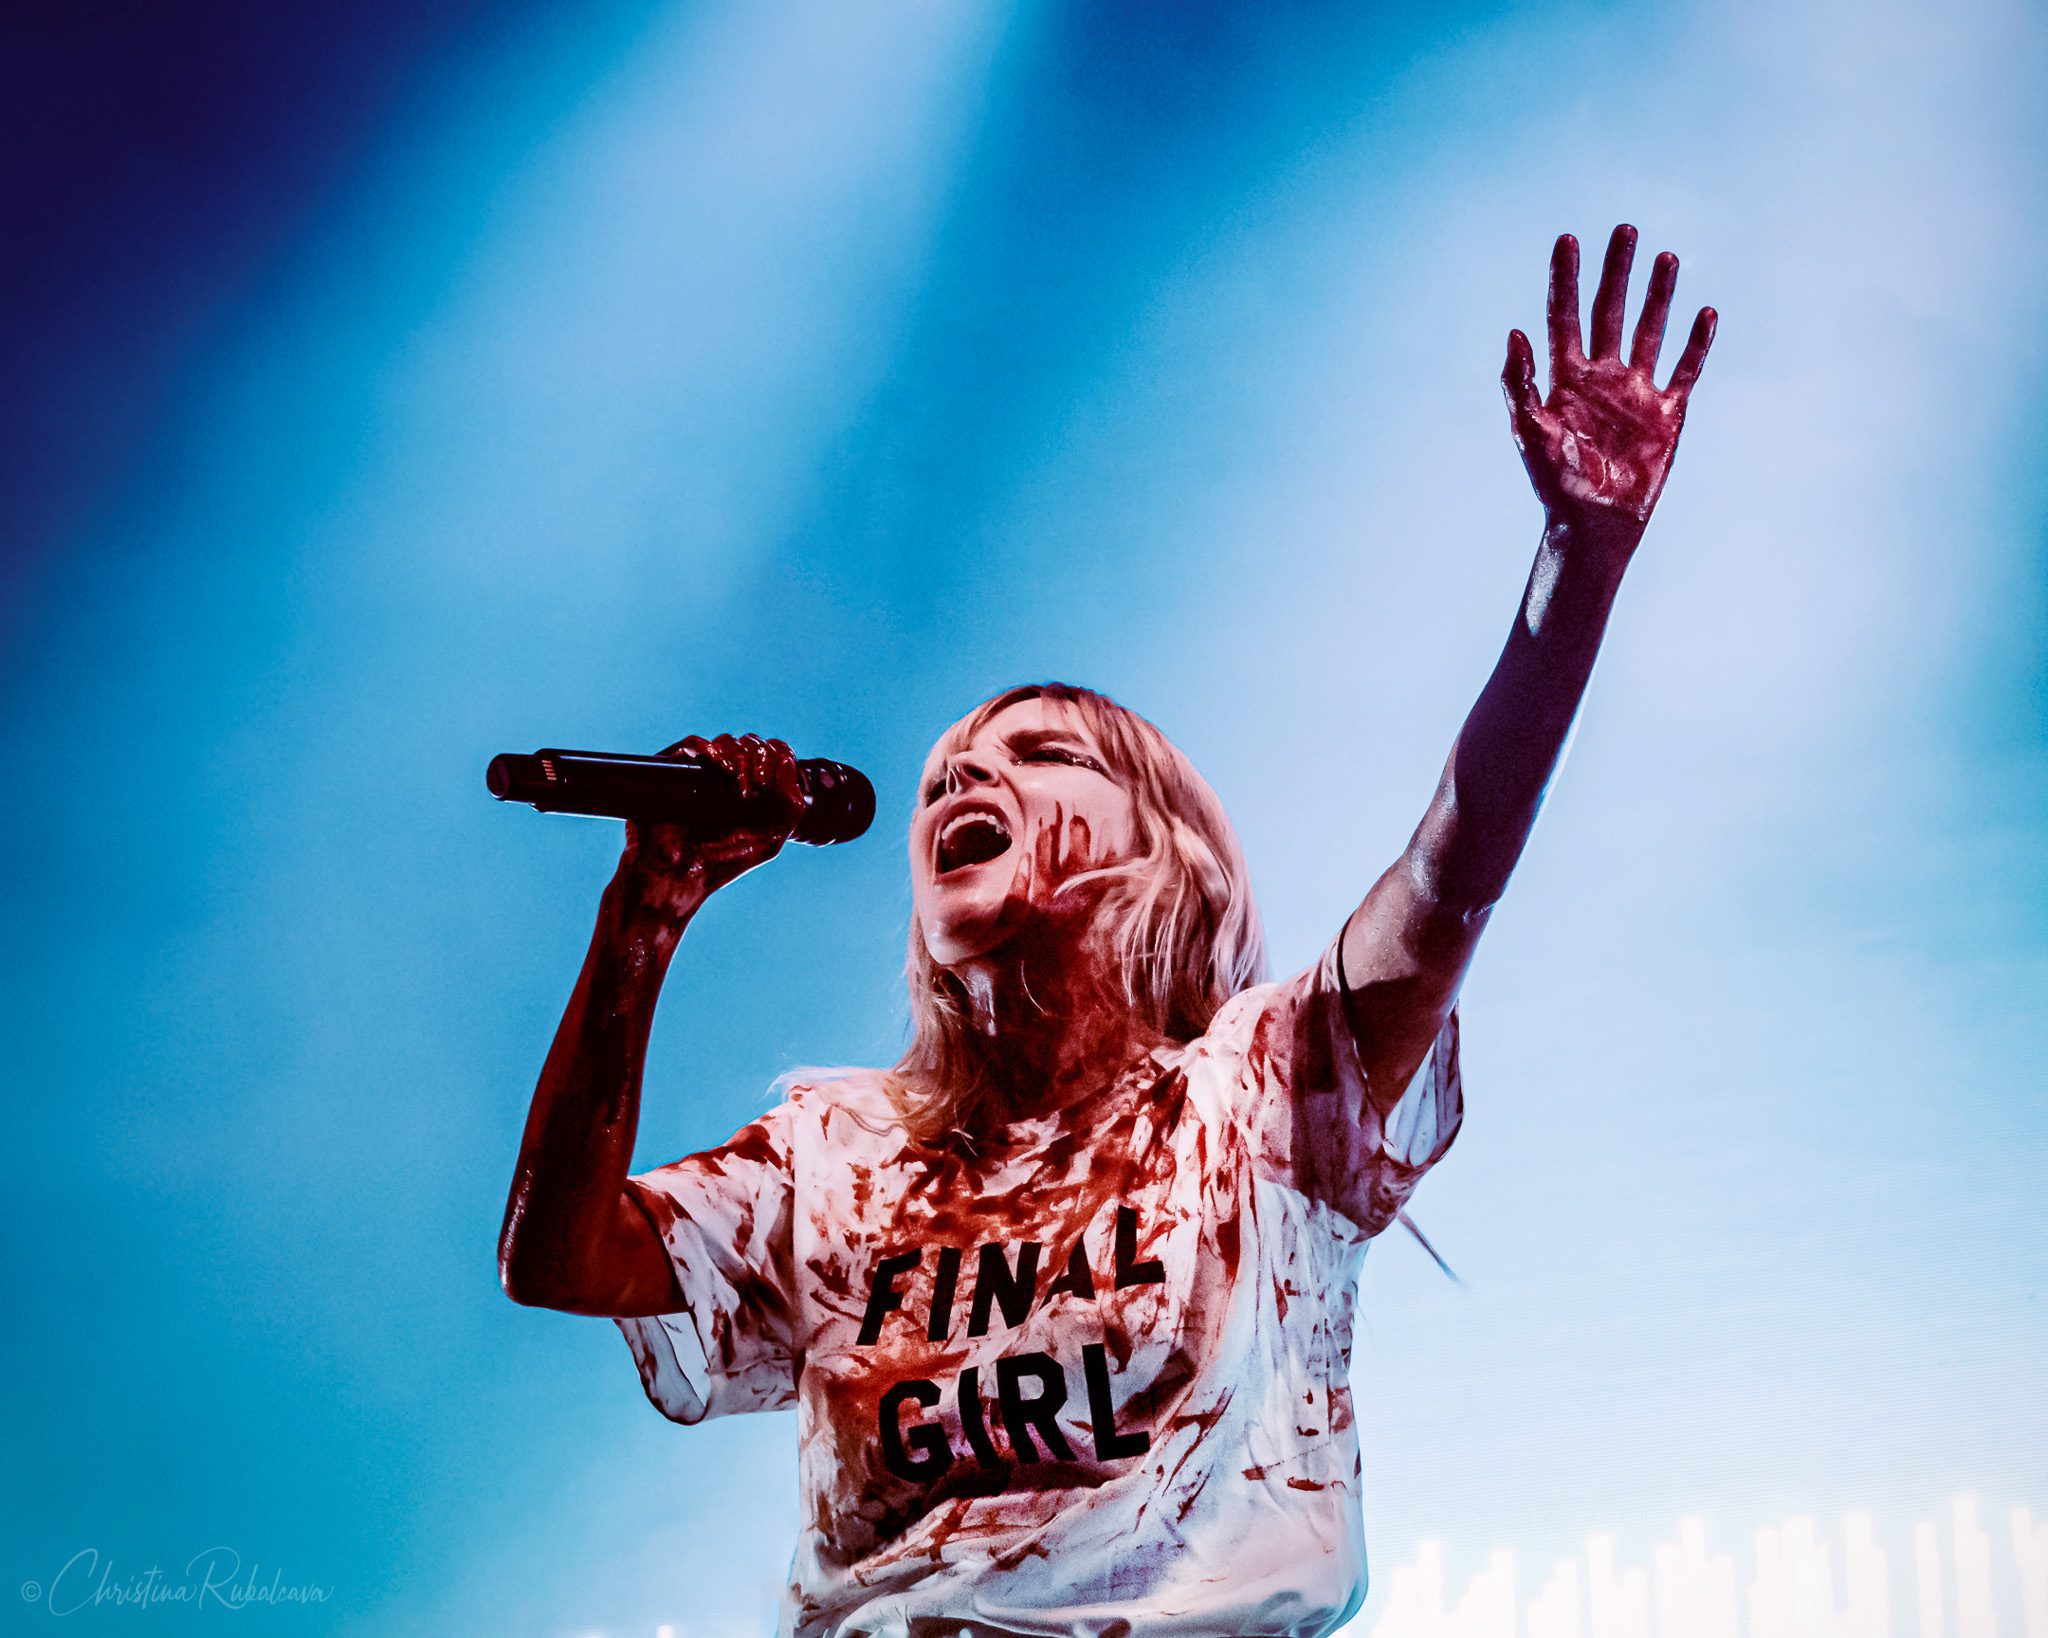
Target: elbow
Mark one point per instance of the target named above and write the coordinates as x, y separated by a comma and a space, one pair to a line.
531, 1290
1447, 906
561, 1278
531, 1280
516, 1280
1450, 926
1454, 897
577, 1266
530, 1270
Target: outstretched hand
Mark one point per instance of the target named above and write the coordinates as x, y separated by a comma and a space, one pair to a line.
1599, 448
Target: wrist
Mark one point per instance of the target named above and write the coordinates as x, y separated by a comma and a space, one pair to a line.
648, 907
1575, 581
1603, 543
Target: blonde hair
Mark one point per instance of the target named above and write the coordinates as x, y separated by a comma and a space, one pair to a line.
1186, 934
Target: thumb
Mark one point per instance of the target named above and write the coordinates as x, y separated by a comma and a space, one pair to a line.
1518, 379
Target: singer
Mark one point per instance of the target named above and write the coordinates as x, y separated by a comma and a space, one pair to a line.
1064, 1298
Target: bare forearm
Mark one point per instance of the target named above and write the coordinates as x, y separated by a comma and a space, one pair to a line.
1598, 448
1493, 783
568, 1190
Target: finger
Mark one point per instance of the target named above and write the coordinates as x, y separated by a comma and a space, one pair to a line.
1076, 852
1518, 379
690, 745
1563, 314
767, 760
765, 765
1691, 361
747, 768
1649, 340
787, 777
724, 752
1610, 301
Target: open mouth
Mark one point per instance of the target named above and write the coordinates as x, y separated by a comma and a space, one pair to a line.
971, 839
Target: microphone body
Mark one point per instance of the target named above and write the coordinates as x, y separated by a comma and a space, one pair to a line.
839, 803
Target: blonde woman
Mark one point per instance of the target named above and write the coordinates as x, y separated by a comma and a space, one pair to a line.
1063, 1299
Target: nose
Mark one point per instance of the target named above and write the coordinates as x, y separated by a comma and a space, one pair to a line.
965, 769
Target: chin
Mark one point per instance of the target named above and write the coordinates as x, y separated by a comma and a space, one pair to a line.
965, 920
954, 945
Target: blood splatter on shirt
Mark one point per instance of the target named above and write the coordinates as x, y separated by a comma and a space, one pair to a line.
1092, 1377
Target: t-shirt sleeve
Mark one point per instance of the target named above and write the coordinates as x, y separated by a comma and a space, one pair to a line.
725, 1217
1318, 1126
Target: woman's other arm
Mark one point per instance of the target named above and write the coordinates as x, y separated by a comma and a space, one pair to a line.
1598, 450
574, 1239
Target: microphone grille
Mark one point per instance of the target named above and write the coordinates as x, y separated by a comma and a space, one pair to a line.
840, 802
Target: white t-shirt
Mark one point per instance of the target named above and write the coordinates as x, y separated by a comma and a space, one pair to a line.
1094, 1380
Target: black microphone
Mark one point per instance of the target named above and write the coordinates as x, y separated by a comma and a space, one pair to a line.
839, 803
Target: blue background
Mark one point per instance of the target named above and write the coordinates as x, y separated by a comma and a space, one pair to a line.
389, 388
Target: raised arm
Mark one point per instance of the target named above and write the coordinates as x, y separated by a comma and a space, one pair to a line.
1598, 450
573, 1238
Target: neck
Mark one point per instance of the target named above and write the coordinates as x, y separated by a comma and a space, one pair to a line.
1053, 1022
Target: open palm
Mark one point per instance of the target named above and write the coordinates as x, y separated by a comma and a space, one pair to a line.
1599, 447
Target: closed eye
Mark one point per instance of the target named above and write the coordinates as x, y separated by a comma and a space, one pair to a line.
1055, 753
1026, 752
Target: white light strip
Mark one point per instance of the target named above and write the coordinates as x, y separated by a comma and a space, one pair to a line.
1799, 1586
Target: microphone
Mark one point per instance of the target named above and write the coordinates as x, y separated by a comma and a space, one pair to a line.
839, 803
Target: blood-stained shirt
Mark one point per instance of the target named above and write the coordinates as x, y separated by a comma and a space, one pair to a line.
1092, 1378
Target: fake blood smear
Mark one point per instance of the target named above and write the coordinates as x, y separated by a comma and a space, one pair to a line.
1117, 1336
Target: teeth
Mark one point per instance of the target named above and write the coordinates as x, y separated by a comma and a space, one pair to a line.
959, 821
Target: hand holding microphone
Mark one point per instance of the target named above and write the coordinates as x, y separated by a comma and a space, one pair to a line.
700, 858
703, 812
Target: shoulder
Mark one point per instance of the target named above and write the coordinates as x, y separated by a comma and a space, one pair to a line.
1288, 1035
839, 1108
1247, 1021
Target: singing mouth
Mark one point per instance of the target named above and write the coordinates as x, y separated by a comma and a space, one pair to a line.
972, 838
